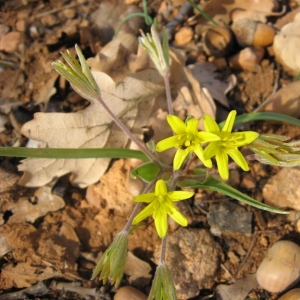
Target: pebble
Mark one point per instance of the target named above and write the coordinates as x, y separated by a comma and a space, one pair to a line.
193, 258
248, 181
183, 36
11, 41
229, 217
70, 13
129, 293
21, 25
283, 189
3, 30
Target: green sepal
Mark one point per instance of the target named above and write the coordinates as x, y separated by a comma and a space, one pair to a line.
147, 172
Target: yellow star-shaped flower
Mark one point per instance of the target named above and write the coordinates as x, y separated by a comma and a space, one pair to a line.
187, 139
161, 205
228, 144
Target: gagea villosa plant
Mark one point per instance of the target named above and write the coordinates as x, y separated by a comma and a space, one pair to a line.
162, 191
164, 187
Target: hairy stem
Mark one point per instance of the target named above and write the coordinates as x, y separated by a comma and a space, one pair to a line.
141, 145
163, 250
166, 77
136, 209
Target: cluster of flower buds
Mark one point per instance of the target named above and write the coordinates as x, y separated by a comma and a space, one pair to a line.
276, 150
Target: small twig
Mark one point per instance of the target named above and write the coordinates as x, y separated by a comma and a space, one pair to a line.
225, 269
170, 27
185, 170
248, 252
55, 10
201, 209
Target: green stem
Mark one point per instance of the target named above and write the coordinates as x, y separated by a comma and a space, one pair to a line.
205, 15
148, 19
136, 14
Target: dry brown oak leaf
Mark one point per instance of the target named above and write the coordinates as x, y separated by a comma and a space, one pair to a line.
92, 127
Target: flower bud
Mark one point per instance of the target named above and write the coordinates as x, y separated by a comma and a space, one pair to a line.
79, 75
111, 264
158, 53
274, 150
162, 285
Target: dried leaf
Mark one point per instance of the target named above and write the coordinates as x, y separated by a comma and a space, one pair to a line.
237, 291
202, 98
25, 211
24, 275
131, 100
137, 270
285, 101
205, 73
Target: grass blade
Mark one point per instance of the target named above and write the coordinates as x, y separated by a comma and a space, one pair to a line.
68, 153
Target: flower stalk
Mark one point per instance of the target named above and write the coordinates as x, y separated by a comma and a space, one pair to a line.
112, 263
160, 55
83, 82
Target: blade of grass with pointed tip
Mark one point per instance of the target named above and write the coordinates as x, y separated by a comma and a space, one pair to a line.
204, 14
68, 153
264, 116
216, 185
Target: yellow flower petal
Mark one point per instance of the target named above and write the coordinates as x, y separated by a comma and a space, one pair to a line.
145, 213
192, 126
176, 124
210, 124
211, 150
161, 223
178, 217
229, 122
238, 157
244, 137
170, 142
200, 154
160, 188
208, 137
180, 157
222, 162
179, 195
144, 198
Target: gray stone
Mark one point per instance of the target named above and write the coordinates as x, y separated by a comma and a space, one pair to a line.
193, 257
229, 217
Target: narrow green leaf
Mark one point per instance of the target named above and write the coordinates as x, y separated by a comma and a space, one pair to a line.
147, 172
264, 116
204, 14
68, 153
216, 185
